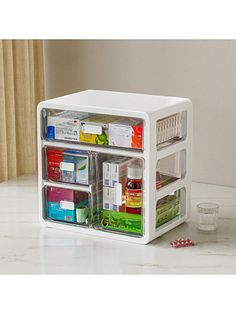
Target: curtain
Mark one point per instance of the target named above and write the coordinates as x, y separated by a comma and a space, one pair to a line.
21, 89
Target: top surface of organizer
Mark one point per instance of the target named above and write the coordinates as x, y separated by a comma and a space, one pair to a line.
108, 100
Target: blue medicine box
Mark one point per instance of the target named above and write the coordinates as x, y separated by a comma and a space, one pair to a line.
56, 212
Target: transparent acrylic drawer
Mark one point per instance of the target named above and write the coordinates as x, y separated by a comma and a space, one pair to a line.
92, 129
170, 169
169, 207
171, 129
69, 166
120, 203
69, 206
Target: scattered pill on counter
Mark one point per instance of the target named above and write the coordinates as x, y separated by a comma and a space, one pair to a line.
182, 243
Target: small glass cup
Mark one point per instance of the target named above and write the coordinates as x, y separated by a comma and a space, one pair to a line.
207, 216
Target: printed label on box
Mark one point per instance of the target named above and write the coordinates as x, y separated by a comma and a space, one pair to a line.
106, 198
67, 166
92, 129
67, 205
106, 173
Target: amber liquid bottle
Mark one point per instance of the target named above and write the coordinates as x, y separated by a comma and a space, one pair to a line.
134, 190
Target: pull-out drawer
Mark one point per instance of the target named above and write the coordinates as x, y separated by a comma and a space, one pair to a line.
69, 206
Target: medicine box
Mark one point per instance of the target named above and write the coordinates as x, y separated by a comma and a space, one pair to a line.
54, 159
80, 160
167, 208
64, 211
62, 203
82, 169
121, 222
108, 197
67, 167
114, 182
64, 125
106, 175
115, 170
114, 198
126, 132
118, 170
94, 129
70, 166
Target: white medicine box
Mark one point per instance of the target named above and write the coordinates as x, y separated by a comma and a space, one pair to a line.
115, 165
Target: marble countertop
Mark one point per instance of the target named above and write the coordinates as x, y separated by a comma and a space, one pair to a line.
27, 248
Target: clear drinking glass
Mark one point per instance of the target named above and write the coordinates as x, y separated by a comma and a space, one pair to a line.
207, 216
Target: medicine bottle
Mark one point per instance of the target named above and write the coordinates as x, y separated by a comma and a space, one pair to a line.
134, 189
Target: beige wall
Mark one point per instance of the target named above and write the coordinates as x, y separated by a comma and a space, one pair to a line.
204, 71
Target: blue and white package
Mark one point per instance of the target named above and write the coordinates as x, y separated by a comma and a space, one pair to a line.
65, 125
55, 211
68, 169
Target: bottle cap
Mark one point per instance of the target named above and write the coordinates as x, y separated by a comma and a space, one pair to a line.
134, 172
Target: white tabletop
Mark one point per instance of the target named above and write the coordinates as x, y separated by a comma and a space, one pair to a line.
26, 248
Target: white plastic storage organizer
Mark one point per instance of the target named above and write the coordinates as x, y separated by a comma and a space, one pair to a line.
115, 165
